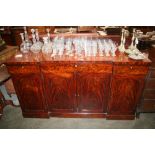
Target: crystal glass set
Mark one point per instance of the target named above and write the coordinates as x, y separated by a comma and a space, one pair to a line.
83, 46
80, 46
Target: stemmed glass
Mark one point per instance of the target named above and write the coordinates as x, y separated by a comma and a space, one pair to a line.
68, 46
107, 48
61, 46
94, 47
78, 47
112, 47
101, 47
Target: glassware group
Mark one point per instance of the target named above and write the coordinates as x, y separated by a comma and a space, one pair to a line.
70, 46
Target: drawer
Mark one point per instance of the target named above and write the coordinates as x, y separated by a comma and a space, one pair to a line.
148, 106
57, 68
23, 69
94, 68
135, 70
150, 83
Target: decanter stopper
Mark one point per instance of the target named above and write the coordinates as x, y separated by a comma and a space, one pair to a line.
22, 37
40, 44
26, 35
33, 36
37, 35
48, 34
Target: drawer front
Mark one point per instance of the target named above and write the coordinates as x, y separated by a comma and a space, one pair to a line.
94, 68
64, 70
72, 67
148, 106
135, 70
23, 69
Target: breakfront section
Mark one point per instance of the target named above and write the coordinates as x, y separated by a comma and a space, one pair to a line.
126, 90
28, 85
76, 89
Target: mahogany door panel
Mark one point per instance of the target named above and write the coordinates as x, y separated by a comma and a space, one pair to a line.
60, 93
125, 94
93, 92
60, 87
30, 92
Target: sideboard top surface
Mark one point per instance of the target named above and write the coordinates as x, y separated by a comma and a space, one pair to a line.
31, 58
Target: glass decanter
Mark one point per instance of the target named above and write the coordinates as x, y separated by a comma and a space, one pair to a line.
23, 46
47, 46
37, 45
28, 42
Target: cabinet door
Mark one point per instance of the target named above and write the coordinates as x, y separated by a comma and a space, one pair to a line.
93, 87
28, 85
125, 94
60, 89
29, 91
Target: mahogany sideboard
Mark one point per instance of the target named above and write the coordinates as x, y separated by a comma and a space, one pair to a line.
95, 87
